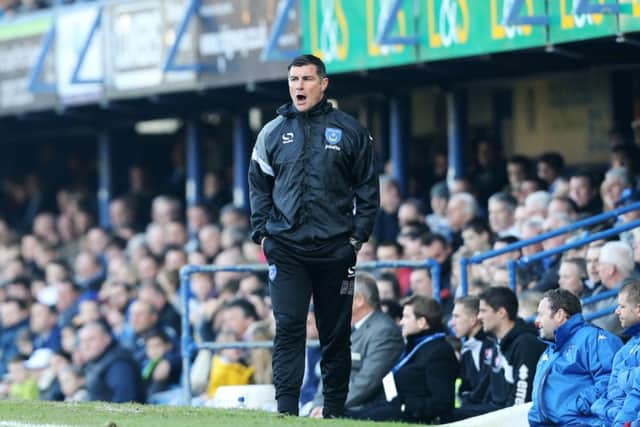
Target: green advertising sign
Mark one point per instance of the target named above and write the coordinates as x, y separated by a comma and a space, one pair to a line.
454, 28
344, 33
569, 26
630, 20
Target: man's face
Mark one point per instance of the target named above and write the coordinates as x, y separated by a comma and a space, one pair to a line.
580, 190
306, 87
387, 253
475, 242
410, 324
407, 214
234, 319
627, 311
569, 279
462, 321
489, 317
593, 254
500, 216
142, 318
436, 250
547, 321
456, 216
515, 172
420, 283
92, 342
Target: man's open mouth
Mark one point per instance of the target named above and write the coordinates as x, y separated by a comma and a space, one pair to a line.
301, 97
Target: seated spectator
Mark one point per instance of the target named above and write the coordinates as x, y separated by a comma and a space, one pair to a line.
501, 215
615, 267
20, 385
143, 319
72, 384
461, 209
583, 191
616, 180
388, 286
386, 225
572, 275
43, 323
550, 167
574, 370
513, 358
392, 251
437, 220
551, 265
376, 343
112, 375
14, 318
474, 374
421, 386
228, 366
617, 405
261, 359
162, 364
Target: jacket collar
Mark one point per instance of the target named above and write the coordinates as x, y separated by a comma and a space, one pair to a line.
632, 331
415, 339
289, 111
568, 328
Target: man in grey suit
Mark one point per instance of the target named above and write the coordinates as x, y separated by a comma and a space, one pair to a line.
376, 345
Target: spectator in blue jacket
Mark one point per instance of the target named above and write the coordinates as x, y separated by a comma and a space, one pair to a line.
574, 370
619, 405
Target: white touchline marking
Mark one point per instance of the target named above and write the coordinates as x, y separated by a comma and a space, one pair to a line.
22, 424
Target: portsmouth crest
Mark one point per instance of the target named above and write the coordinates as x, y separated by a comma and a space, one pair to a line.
333, 135
273, 272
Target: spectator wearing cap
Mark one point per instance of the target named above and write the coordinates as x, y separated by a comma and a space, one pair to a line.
43, 322
112, 375
437, 219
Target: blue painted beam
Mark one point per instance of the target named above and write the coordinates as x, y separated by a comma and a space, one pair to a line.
194, 176
104, 179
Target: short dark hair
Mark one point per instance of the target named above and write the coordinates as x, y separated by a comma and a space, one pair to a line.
500, 297
521, 160
470, 303
426, 307
388, 276
632, 289
248, 309
428, 239
505, 198
302, 60
561, 299
160, 334
478, 225
585, 173
553, 159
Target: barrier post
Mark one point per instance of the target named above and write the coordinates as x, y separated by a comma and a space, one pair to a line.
185, 340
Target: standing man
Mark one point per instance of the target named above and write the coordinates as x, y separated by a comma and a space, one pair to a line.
574, 369
314, 195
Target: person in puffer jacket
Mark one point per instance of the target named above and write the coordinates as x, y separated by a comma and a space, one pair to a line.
622, 401
574, 370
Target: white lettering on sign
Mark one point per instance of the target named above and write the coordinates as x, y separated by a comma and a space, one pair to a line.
138, 40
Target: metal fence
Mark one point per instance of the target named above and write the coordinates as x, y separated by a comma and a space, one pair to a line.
189, 346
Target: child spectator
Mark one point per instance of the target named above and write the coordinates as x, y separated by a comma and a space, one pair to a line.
161, 369
72, 384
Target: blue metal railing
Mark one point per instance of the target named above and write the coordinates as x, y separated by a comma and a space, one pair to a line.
189, 347
513, 264
477, 259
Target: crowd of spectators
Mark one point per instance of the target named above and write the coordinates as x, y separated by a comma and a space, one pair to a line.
91, 313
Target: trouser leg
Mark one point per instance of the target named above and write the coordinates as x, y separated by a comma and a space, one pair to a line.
332, 288
290, 288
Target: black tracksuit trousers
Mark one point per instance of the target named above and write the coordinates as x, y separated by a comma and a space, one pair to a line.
294, 276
